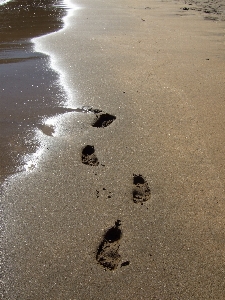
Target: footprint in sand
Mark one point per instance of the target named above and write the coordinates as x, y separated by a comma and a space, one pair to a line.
141, 191
103, 120
89, 157
108, 251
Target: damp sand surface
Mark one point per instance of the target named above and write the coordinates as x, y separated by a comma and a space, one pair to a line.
147, 221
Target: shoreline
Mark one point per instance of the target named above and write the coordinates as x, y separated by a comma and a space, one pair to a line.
146, 186
38, 47
35, 92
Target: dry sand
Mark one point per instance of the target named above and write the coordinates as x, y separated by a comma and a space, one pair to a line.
160, 70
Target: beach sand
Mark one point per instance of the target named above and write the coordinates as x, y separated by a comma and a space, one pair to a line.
139, 213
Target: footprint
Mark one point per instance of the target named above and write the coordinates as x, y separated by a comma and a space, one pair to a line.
107, 253
89, 157
141, 191
103, 120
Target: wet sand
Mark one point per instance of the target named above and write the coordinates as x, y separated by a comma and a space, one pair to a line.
134, 209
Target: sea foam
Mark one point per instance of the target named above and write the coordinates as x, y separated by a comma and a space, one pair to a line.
2, 2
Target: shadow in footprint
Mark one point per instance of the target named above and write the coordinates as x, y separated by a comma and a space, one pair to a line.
141, 191
89, 157
103, 120
107, 253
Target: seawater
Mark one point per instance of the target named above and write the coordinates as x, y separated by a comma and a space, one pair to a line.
30, 90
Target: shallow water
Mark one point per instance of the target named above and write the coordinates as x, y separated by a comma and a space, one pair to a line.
29, 89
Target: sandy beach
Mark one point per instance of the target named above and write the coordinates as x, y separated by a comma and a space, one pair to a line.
132, 207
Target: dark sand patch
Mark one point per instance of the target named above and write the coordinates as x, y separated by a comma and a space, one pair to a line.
125, 263
108, 251
141, 191
47, 129
211, 9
